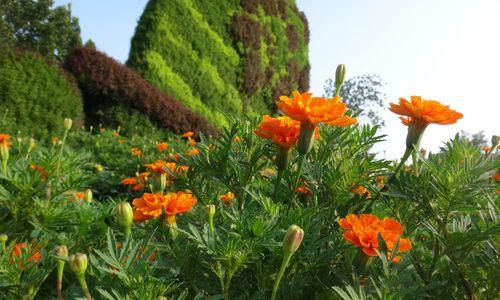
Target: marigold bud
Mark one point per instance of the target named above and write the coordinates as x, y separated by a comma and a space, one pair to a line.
3, 240
88, 195
32, 144
4, 152
78, 263
61, 251
124, 214
210, 211
68, 123
340, 75
495, 140
293, 239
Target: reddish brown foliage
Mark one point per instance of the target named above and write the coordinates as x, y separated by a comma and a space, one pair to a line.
103, 79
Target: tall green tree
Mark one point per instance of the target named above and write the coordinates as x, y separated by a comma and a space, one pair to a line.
363, 94
37, 25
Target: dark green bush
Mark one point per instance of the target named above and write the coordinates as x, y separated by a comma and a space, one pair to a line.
35, 95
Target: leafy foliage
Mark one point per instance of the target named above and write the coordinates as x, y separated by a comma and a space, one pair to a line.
446, 202
222, 56
38, 26
35, 95
362, 94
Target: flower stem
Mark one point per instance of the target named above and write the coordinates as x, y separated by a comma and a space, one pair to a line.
300, 166
284, 264
277, 182
85, 288
60, 270
405, 157
61, 151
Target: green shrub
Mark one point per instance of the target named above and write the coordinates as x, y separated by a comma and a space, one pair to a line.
228, 57
35, 96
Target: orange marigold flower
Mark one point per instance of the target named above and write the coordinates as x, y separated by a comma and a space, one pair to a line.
283, 131
55, 140
182, 168
191, 141
192, 151
121, 141
150, 206
115, 134
362, 191
486, 148
227, 197
424, 112
5, 140
136, 152
129, 181
303, 189
159, 166
176, 156
138, 187
17, 252
496, 176
161, 146
380, 181
41, 171
314, 110
79, 195
188, 134
237, 139
363, 232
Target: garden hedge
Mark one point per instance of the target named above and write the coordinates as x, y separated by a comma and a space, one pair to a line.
36, 95
223, 57
108, 85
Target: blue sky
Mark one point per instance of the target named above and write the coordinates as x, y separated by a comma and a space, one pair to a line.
447, 50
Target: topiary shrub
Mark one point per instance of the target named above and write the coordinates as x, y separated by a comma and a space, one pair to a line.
109, 87
233, 56
36, 95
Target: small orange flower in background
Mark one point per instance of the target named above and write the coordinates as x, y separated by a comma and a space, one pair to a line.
237, 139
41, 171
192, 151
115, 134
158, 167
136, 152
486, 148
161, 146
380, 181
129, 181
102, 129
79, 195
150, 206
424, 112
5, 140
303, 189
363, 232
55, 140
191, 142
188, 134
314, 110
121, 141
362, 191
176, 156
496, 176
17, 252
138, 187
283, 131
227, 198
268, 172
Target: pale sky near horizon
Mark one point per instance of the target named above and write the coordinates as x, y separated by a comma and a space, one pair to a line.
446, 50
